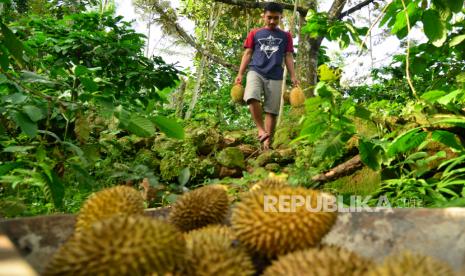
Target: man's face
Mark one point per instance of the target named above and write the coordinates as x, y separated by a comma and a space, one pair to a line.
272, 19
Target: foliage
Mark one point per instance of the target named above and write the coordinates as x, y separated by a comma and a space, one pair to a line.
53, 86
319, 25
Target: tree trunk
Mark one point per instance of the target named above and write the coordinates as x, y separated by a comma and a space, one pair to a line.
178, 99
196, 92
212, 23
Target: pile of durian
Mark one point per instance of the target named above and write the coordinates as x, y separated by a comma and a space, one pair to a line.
203, 235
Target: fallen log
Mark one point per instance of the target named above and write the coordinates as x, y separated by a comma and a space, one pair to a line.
346, 168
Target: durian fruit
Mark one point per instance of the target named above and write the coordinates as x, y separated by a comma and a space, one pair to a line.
121, 245
286, 96
411, 264
200, 207
297, 97
237, 93
211, 251
109, 202
327, 261
269, 183
278, 231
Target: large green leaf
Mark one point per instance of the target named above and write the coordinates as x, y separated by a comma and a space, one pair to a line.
454, 5
434, 27
34, 113
447, 138
433, 95
8, 166
141, 126
169, 126
370, 154
4, 62
451, 97
13, 44
407, 141
25, 123
457, 40
54, 188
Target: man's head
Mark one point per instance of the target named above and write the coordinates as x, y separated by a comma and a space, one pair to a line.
272, 13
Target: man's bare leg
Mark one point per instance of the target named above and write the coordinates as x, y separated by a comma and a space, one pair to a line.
270, 123
255, 108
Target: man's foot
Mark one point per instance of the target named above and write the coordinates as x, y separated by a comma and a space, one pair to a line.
267, 143
262, 137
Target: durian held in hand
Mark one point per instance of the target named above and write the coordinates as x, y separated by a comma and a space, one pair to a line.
237, 93
297, 97
108, 202
121, 245
272, 233
200, 207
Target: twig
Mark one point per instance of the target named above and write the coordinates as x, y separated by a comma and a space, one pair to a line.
373, 25
407, 58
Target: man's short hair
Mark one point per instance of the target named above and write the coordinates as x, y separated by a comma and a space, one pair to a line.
273, 7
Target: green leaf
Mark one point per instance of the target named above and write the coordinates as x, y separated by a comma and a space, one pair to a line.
80, 70
140, 126
433, 95
9, 166
34, 113
25, 123
406, 141
370, 154
447, 138
89, 84
169, 126
362, 113
54, 188
13, 44
18, 148
454, 5
15, 98
434, 27
450, 97
184, 176
4, 61
457, 40
323, 90
31, 77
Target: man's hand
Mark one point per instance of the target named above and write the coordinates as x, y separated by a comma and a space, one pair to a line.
295, 81
238, 79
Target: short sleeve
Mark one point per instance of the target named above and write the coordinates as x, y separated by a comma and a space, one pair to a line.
249, 42
290, 44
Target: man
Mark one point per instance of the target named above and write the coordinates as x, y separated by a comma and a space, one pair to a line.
265, 50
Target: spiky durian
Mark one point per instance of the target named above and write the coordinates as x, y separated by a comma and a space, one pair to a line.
297, 97
269, 183
121, 245
210, 251
200, 207
286, 96
109, 202
327, 261
411, 264
237, 93
263, 226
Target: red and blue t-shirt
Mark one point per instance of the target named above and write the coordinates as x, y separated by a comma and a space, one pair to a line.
269, 48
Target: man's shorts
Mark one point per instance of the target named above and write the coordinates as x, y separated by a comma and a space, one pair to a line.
257, 86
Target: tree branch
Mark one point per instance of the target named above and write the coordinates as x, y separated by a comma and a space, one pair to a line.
170, 18
343, 169
355, 8
261, 5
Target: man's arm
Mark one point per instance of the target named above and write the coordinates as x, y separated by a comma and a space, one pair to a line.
246, 57
289, 60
